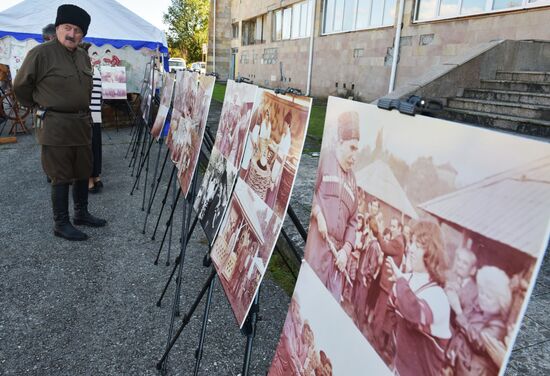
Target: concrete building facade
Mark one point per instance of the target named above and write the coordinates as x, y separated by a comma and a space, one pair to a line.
346, 47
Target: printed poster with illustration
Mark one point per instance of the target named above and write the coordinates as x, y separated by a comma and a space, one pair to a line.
429, 235
253, 220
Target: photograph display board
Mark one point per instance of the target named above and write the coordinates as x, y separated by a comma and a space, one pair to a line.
251, 225
147, 99
192, 123
192, 95
221, 174
429, 235
113, 81
165, 101
319, 339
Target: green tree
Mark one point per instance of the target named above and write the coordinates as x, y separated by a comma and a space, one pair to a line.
187, 22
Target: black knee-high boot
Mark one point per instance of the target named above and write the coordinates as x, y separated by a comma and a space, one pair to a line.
60, 204
81, 214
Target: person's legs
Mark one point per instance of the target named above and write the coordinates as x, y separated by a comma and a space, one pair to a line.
81, 214
95, 179
56, 164
60, 204
82, 165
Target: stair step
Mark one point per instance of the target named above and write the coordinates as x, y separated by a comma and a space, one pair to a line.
532, 87
523, 76
529, 111
539, 128
508, 96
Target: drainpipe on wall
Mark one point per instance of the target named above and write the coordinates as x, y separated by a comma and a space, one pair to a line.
396, 45
310, 65
214, 40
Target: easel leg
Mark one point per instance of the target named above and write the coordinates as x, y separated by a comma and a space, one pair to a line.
164, 201
142, 155
176, 264
154, 192
250, 330
185, 320
146, 158
134, 131
199, 351
185, 236
187, 212
168, 224
174, 188
135, 150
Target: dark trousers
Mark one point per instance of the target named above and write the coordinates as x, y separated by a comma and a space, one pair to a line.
96, 149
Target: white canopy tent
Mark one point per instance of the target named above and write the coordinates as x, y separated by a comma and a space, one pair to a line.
113, 28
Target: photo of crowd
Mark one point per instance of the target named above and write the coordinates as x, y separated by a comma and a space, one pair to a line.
113, 80
165, 100
235, 120
319, 339
192, 95
274, 147
220, 176
213, 197
195, 113
431, 251
243, 247
270, 161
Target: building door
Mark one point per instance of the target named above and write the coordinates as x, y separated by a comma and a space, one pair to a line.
233, 72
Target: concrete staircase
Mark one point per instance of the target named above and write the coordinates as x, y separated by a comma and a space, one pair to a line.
518, 101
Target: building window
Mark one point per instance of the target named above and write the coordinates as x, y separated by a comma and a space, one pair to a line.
253, 31
437, 9
287, 22
350, 15
235, 30
293, 22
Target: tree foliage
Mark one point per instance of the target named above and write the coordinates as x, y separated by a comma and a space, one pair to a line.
187, 22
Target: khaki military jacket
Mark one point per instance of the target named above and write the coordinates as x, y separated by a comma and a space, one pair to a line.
60, 81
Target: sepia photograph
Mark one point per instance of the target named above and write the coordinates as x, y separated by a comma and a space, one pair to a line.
196, 103
213, 196
274, 147
113, 81
165, 101
243, 247
319, 339
215, 192
235, 120
429, 234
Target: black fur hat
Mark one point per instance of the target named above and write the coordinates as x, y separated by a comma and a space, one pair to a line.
71, 14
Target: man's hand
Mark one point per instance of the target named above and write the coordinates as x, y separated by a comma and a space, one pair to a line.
394, 269
322, 225
341, 260
494, 347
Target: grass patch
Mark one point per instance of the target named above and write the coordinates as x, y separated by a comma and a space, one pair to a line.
317, 121
279, 272
219, 92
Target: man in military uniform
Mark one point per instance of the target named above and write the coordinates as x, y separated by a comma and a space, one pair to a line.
56, 79
334, 214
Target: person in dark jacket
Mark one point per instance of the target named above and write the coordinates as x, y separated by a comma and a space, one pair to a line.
56, 79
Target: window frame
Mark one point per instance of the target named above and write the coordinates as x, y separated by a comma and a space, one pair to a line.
300, 6
489, 4
249, 29
355, 14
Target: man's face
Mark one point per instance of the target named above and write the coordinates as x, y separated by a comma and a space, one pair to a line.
346, 151
69, 35
394, 228
374, 208
463, 265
